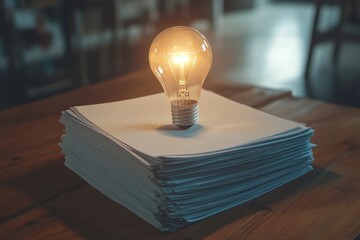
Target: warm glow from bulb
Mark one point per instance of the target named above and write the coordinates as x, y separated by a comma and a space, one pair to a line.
180, 59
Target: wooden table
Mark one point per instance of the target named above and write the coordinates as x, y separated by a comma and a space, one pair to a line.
42, 199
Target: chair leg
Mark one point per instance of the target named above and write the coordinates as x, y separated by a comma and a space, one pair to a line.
217, 12
313, 39
337, 42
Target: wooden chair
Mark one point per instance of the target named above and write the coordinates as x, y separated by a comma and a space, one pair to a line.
337, 34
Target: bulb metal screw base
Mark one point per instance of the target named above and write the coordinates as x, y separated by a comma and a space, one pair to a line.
184, 113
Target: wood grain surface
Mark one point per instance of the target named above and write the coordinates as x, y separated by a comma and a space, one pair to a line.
42, 199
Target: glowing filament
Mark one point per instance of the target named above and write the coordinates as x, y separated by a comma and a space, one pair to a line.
181, 60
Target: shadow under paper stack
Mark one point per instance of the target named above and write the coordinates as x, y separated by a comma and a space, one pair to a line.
170, 177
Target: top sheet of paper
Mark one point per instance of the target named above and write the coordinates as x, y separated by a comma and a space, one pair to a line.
145, 125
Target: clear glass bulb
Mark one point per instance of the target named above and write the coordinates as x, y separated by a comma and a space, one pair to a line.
181, 57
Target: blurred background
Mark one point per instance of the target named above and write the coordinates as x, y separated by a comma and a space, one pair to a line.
310, 47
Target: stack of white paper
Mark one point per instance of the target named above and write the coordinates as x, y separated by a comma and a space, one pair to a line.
172, 177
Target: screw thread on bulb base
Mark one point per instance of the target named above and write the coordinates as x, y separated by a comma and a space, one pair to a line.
184, 114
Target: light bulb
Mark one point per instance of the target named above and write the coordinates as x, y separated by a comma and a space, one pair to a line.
181, 57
